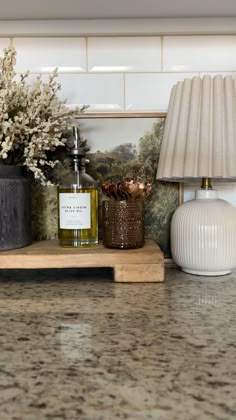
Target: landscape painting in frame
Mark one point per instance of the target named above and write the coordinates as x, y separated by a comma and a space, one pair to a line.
130, 147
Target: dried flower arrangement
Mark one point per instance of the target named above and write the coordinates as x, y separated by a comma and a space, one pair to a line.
127, 189
33, 121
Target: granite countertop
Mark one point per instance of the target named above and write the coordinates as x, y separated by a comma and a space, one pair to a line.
76, 345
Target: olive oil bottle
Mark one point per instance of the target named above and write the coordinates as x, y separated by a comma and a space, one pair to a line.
77, 203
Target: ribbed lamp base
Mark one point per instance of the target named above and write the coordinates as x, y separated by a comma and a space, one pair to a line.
203, 235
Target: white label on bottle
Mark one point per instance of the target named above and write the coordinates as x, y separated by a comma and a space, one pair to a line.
74, 211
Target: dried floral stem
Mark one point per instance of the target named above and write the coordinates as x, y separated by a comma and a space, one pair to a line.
127, 190
33, 121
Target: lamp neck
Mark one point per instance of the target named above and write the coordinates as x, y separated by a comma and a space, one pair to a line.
206, 191
206, 184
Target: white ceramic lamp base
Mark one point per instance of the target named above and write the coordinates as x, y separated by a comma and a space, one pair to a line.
203, 235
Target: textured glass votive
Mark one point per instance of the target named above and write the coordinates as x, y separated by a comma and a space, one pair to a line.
123, 224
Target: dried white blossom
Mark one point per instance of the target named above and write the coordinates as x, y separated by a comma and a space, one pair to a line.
32, 119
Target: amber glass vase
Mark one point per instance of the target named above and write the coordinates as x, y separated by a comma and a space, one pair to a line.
123, 224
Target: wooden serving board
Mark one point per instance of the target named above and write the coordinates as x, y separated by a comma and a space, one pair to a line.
132, 265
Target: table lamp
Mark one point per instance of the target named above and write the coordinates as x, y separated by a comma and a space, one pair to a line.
199, 142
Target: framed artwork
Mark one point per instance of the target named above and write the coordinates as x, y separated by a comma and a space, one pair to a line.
119, 145
128, 145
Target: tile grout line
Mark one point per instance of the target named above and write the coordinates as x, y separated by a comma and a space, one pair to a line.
124, 89
162, 39
86, 58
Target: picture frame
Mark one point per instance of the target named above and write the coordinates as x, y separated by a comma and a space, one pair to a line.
128, 145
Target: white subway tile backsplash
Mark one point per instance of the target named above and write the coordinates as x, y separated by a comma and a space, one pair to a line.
124, 54
199, 53
43, 55
123, 73
102, 92
150, 92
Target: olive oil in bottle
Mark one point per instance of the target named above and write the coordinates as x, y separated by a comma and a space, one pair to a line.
78, 203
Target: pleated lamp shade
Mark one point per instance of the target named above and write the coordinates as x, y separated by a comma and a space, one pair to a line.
199, 141
200, 131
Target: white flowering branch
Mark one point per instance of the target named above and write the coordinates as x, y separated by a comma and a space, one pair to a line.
33, 121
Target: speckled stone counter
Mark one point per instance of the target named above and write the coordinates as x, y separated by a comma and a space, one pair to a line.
76, 345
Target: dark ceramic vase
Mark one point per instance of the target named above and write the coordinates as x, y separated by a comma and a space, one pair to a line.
15, 208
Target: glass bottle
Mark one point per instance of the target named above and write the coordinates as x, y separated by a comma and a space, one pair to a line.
77, 203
